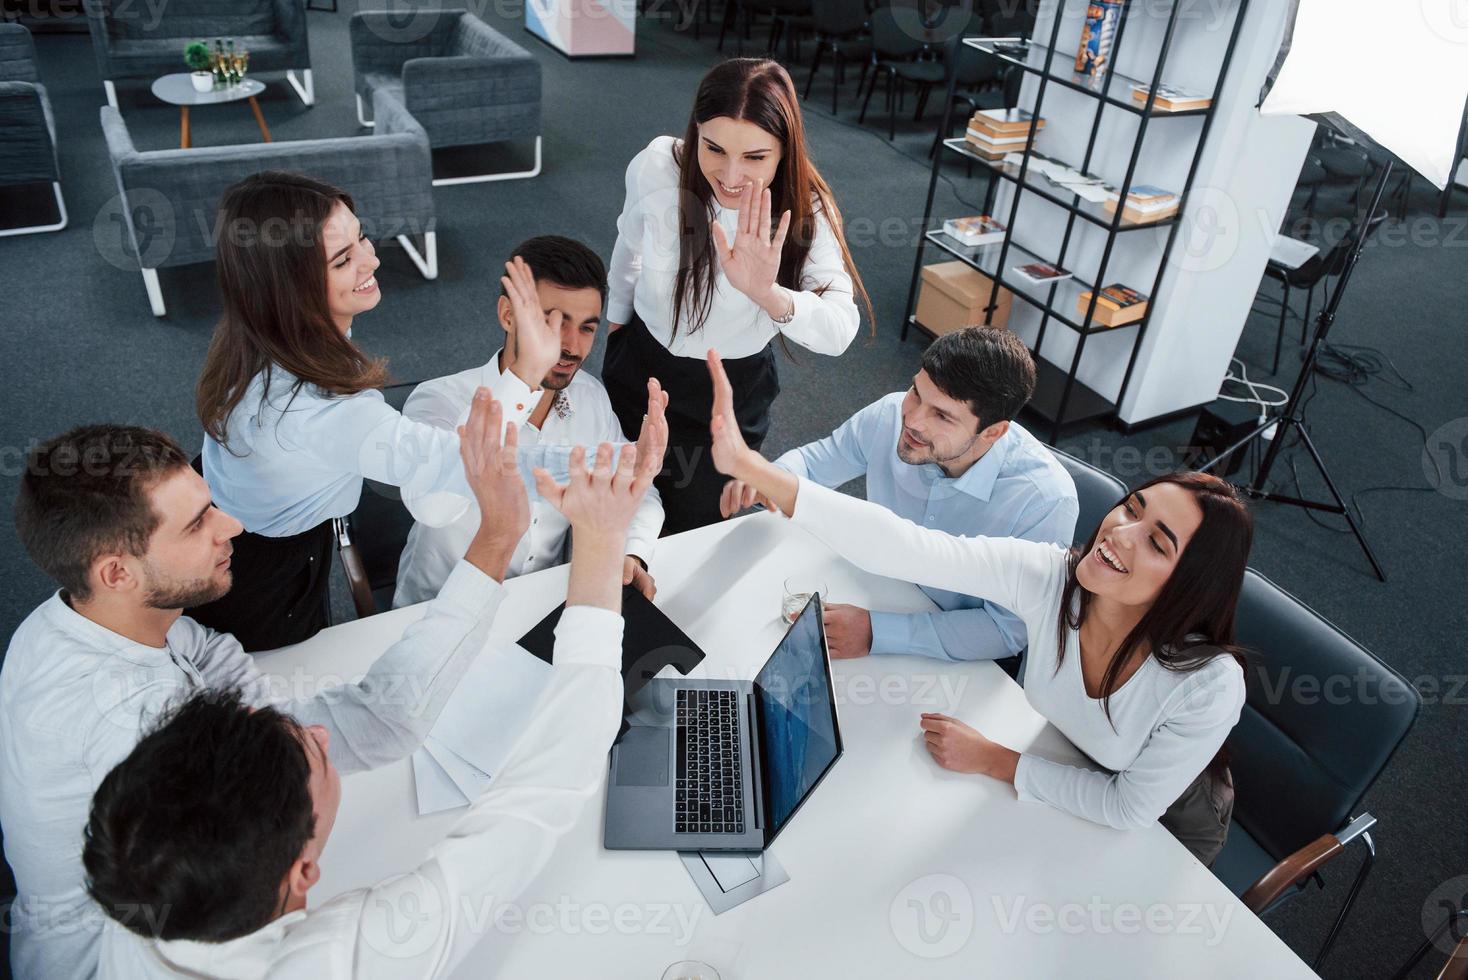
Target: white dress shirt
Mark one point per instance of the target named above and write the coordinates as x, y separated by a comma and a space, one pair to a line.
76, 697
645, 264
580, 416
295, 461
422, 924
1165, 725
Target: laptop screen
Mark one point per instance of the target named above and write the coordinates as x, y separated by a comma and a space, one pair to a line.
797, 718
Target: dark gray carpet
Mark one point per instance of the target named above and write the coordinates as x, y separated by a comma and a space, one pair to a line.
79, 345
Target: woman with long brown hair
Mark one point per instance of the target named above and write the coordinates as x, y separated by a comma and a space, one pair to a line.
1131, 640
728, 238
292, 414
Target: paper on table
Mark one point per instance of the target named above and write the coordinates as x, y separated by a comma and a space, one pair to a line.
492, 705
436, 791
470, 780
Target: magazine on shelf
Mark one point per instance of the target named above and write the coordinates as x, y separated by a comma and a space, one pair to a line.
979, 229
1041, 273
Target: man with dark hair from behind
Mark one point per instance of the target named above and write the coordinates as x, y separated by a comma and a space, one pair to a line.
945, 454
207, 838
573, 410
119, 519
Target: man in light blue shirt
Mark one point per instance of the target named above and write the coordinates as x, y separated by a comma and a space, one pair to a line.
945, 454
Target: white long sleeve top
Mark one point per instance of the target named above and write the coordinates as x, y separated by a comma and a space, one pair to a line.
644, 272
75, 698
1165, 725
422, 924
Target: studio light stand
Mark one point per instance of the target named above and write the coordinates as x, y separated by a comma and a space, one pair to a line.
1291, 417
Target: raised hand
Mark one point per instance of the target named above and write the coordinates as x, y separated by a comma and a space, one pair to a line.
729, 447
600, 502
493, 474
753, 260
652, 441
536, 345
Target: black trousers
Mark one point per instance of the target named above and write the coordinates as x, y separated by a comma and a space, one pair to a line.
689, 484
281, 592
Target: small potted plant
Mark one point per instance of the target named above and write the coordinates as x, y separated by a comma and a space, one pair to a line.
196, 56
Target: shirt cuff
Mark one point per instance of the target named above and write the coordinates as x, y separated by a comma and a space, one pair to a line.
517, 397
1025, 774
793, 462
619, 310
891, 633
468, 588
640, 547
589, 635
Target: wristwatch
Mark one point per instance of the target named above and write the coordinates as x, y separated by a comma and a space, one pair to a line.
790, 314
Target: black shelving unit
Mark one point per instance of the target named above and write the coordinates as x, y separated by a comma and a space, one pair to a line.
1059, 397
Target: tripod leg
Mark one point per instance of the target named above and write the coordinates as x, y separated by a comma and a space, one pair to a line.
1350, 519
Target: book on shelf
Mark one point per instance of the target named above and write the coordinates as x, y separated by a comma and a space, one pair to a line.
978, 229
1116, 305
987, 150
1139, 216
1170, 98
1006, 122
979, 136
1041, 273
1144, 204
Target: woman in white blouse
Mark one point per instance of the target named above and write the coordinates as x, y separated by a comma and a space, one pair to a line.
1131, 641
728, 238
292, 414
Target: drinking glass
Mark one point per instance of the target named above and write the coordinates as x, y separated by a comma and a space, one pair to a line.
690, 970
798, 590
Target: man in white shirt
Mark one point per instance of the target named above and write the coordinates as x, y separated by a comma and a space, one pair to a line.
573, 410
208, 838
118, 517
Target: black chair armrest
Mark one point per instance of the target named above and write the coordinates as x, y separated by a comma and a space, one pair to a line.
354, 569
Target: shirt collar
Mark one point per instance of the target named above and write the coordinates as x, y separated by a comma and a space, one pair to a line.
95, 636
248, 956
978, 480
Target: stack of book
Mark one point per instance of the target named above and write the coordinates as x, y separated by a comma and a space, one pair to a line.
1144, 204
994, 132
1170, 99
980, 229
1116, 305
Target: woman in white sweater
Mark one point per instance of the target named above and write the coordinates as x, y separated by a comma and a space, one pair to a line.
1131, 641
729, 238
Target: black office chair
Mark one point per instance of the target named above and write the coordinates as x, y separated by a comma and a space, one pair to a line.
1096, 490
1323, 717
892, 44
838, 26
370, 540
1309, 275
983, 83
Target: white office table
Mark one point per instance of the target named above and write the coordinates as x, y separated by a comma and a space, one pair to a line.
897, 868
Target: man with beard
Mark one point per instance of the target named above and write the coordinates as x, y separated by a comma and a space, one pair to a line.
945, 454
574, 410
119, 519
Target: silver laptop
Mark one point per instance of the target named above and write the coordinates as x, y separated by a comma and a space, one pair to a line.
724, 765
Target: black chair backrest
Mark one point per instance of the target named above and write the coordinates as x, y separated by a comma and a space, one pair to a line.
1322, 719
1096, 491
896, 33
381, 522
838, 18
1333, 262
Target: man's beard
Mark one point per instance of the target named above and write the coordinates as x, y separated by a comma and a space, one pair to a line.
928, 453
556, 382
168, 594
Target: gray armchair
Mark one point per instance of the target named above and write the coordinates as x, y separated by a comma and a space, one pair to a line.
133, 40
170, 198
27, 128
464, 81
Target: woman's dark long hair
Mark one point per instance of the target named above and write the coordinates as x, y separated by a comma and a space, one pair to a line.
758, 91
272, 279
1192, 620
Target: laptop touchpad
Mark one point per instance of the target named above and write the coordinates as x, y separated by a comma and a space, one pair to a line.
642, 757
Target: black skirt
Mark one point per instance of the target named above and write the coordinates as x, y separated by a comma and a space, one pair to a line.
281, 593
689, 484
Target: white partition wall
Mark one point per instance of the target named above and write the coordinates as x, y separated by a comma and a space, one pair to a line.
1247, 172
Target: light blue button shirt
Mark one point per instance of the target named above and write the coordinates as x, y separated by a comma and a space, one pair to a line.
1016, 490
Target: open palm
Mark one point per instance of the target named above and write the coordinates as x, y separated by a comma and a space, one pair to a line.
753, 260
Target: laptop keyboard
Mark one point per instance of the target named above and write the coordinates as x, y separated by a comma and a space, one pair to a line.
709, 798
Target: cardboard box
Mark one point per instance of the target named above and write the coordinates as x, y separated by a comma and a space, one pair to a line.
953, 296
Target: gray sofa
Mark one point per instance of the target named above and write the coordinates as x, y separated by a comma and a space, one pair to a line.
170, 198
141, 41
27, 127
464, 81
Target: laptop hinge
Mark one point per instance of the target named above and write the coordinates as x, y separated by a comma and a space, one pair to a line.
756, 777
